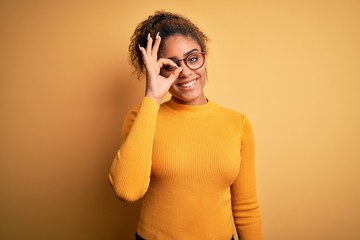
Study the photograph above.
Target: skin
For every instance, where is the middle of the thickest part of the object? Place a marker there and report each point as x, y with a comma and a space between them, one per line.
159, 81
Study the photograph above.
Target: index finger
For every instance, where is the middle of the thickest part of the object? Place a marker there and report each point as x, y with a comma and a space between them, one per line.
165, 61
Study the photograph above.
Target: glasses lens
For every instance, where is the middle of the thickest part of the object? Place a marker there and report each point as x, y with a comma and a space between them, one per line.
195, 60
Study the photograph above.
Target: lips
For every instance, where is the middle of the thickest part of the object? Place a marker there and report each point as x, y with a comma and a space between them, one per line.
187, 84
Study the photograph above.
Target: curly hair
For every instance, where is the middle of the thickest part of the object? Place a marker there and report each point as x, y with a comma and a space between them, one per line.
167, 24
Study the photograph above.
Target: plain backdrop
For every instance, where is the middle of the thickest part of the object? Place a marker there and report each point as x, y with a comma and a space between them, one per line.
293, 67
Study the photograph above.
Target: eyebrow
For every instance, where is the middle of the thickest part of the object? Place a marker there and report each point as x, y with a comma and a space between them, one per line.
186, 54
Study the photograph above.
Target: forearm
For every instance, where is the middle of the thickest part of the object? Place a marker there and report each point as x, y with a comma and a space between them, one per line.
247, 217
130, 170
245, 204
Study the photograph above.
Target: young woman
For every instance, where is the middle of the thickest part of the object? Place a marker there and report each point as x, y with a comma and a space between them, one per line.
190, 160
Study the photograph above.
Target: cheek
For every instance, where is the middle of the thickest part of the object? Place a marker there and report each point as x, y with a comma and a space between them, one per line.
202, 72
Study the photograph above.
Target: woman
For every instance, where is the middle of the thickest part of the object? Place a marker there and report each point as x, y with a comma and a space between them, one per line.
190, 160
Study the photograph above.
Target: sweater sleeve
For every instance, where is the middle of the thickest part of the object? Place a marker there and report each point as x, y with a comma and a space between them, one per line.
244, 201
130, 170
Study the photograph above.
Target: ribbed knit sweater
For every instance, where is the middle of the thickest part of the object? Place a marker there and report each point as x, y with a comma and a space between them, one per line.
194, 168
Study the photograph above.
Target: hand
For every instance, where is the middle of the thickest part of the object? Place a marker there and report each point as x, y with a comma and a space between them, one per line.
156, 85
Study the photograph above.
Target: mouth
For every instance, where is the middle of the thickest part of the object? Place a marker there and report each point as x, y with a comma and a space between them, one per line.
187, 84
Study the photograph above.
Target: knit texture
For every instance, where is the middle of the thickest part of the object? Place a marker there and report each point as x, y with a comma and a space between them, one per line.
193, 167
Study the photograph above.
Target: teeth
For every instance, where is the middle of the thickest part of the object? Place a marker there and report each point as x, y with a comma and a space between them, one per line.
189, 84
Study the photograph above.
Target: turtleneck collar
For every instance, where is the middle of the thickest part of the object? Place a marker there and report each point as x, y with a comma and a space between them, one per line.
191, 111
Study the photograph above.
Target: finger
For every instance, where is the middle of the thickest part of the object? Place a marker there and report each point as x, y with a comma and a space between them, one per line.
165, 61
144, 55
175, 75
149, 44
146, 60
155, 48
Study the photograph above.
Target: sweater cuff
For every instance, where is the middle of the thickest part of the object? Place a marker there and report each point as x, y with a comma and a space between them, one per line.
148, 106
149, 102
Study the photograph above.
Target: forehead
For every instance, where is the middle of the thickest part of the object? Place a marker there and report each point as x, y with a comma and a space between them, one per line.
177, 46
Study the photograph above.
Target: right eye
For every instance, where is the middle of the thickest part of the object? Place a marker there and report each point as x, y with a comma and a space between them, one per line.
169, 68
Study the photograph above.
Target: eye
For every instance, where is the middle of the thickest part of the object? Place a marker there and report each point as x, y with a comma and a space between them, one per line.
169, 68
192, 58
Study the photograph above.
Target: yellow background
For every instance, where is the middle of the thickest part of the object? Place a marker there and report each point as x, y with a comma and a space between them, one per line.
292, 66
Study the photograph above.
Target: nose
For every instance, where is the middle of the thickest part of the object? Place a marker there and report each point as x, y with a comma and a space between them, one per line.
186, 71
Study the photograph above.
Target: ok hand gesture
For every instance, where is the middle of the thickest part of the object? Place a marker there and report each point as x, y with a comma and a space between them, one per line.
157, 85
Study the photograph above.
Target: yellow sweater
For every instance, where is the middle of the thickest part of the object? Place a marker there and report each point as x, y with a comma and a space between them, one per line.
194, 168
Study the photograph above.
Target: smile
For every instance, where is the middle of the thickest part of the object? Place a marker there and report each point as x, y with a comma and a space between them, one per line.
188, 84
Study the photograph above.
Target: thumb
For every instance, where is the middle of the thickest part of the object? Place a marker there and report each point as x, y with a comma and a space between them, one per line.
175, 75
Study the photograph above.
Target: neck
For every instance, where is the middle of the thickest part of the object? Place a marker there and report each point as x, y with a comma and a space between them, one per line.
200, 101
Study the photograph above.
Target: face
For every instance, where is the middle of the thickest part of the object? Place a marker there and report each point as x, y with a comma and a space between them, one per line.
188, 88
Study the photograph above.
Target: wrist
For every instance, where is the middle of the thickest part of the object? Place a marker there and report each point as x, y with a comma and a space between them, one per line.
158, 100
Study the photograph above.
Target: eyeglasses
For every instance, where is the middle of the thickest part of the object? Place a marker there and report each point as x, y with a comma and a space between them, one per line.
193, 61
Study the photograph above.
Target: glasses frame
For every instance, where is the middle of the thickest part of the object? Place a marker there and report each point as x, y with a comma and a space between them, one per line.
177, 62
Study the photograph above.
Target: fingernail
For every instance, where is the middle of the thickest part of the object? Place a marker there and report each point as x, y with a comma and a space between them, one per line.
139, 47
148, 36
157, 35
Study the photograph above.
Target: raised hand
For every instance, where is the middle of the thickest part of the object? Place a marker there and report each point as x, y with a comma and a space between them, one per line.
156, 85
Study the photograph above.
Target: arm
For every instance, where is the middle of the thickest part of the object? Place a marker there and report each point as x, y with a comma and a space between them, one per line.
130, 170
244, 201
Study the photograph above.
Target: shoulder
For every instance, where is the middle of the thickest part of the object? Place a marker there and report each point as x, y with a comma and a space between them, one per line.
230, 113
239, 119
